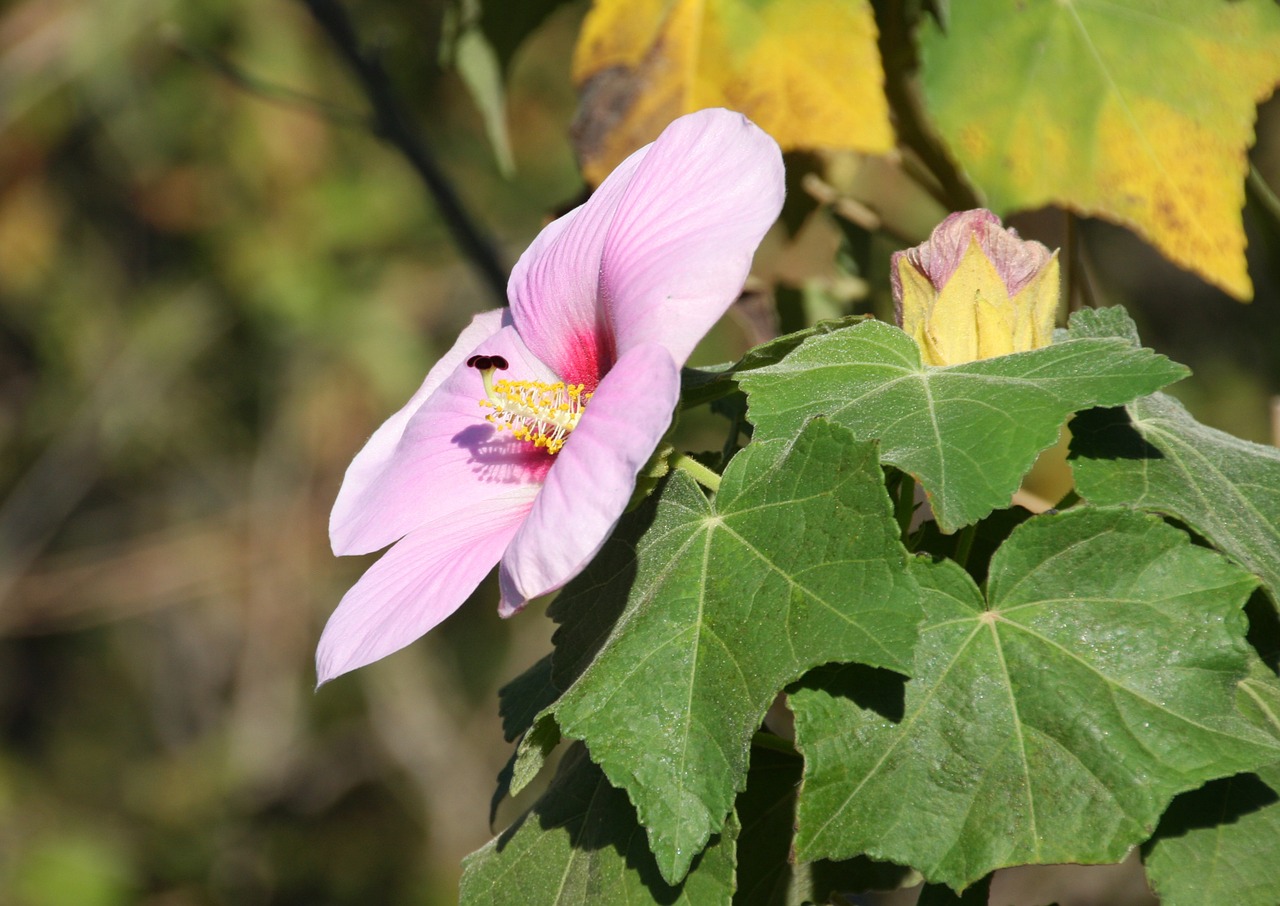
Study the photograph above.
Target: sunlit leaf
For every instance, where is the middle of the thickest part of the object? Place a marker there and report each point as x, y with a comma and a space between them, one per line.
968, 432
1153, 454
1218, 844
698, 385
1138, 111
1052, 720
796, 563
580, 844
807, 71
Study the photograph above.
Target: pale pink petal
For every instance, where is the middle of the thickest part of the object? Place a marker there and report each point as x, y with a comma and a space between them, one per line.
423, 579
553, 288
681, 242
447, 458
591, 482
377, 451
1016, 260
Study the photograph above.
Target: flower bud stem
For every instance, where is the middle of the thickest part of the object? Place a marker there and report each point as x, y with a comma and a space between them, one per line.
697, 471
964, 544
765, 740
905, 506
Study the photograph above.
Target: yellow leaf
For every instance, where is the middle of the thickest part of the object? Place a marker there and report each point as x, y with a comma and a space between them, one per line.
807, 71
1137, 111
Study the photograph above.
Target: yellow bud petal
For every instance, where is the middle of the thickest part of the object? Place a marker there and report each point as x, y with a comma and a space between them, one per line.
918, 296
995, 329
954, 324
1038, 304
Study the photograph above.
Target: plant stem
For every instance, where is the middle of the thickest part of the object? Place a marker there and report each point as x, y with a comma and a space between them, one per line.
393, 126
273, 93
905, 506
765, 740
901, 88
697, 471
964, 544
1080, 292
1263, 193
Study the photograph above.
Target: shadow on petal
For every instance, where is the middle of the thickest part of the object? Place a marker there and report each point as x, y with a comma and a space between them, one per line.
497, 458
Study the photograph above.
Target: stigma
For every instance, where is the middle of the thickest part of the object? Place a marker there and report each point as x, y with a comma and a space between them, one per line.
542, 413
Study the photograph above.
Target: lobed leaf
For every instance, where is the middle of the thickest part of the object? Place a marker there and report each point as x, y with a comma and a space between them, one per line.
1053, 720
767, 875
1219, 843
1138, 111
807, 71
796, 562
1152, 454
581, 844
968, 433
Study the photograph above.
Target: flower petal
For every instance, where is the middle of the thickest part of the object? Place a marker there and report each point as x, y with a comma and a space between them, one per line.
681, 242
376, 454
446, 458
591, 483
554, 286
419, 582
1016, 260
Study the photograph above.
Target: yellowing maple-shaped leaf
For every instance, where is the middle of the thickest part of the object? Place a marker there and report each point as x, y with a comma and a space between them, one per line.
1137, 111
807, 71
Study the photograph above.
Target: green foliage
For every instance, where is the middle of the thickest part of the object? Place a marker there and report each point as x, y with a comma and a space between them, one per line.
1154, 455
215, 281
1051, 714
968, 433
1095, 680
721, 603
480, 39
1217, 844
580, 843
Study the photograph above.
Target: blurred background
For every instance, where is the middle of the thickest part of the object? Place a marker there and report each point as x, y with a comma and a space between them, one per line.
215, 282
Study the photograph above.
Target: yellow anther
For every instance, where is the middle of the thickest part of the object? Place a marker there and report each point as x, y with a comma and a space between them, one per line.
541, 413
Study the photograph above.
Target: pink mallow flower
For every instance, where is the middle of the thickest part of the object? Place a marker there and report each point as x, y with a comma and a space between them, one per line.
523, 443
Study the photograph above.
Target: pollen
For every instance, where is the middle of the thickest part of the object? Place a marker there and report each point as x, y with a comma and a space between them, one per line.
542, 413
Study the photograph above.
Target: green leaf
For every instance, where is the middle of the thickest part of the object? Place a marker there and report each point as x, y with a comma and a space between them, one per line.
1112, 321
1052, 721
1138, 111
700, 385
580, 844
535, 747
796, 563
519, 704
1259, 700
968, 433
479, 39
1218, 844
1155, 456
767, 876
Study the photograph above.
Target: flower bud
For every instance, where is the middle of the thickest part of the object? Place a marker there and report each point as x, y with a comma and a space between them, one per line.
975, 290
